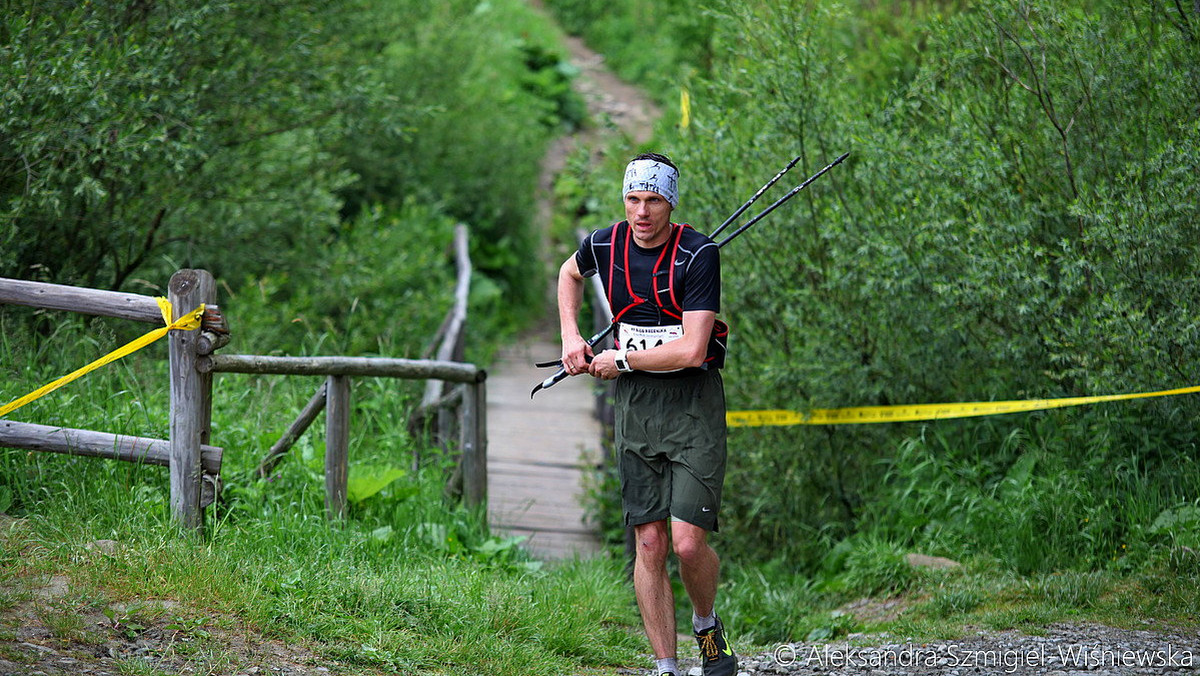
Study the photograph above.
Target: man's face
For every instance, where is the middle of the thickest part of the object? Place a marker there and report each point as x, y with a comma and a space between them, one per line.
649, 216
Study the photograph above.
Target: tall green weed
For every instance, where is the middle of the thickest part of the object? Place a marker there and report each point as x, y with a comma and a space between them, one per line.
357, 599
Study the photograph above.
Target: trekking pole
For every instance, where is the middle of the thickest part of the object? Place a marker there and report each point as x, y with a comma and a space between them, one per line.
603, 333
752, 200
792, 193
562, 371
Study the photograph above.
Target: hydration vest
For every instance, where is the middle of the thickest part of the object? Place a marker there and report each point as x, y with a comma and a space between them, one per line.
622, 298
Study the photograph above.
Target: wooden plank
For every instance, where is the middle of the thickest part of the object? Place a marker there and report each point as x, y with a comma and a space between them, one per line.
579, 532
529, 488
280, 448
75, 299
191, 399
524, 493
525, 467
414, 369
548, 457
337, 445
51, 439
535, 516
535, 452
554, 545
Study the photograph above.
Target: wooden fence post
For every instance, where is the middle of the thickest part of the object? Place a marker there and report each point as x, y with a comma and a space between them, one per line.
337, 444
191, 399
473, 441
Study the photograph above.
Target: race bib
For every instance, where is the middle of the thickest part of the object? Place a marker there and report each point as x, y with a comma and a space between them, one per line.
633, 338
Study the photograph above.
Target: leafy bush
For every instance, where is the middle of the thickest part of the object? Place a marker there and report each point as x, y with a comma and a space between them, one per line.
132, 131
390, 282
1016, 220
245, 139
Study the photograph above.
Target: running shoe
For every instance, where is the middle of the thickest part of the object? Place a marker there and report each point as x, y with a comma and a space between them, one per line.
716, 657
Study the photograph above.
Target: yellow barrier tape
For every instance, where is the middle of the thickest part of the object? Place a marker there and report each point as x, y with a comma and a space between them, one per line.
918, 412
188, 322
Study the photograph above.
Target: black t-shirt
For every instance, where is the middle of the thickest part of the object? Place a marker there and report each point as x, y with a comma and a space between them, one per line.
697, 276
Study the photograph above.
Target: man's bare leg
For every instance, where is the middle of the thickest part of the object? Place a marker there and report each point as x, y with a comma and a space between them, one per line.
699, 565
652, 585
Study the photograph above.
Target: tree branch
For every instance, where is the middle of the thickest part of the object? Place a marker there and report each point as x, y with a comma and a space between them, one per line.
122, 273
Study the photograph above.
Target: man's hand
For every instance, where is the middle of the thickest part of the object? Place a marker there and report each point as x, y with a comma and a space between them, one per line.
604, 365
575, 355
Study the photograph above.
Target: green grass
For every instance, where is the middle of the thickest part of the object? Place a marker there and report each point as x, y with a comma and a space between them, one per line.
356, 600
412, 582
409, 581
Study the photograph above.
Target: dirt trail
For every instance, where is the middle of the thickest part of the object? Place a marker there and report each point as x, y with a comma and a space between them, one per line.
617, 110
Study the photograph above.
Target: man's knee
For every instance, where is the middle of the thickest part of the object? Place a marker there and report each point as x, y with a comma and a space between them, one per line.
691, 545
652, 541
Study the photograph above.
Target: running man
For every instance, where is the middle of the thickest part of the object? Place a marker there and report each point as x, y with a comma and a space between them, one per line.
663, 283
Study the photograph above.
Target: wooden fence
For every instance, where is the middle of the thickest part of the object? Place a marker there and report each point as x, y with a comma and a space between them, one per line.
195, 465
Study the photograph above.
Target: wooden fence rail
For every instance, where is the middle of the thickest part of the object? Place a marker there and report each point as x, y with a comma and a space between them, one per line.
334, 396
384, 367
49, 438
84, 301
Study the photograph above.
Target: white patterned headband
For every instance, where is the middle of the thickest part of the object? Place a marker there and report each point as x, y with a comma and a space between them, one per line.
653, 176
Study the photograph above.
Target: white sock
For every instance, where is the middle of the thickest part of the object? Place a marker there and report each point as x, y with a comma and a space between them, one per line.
702, 623
666, 665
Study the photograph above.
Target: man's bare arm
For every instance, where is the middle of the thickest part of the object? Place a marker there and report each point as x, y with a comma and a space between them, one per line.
575, 350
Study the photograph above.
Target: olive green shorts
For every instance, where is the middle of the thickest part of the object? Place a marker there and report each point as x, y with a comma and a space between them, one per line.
670, 437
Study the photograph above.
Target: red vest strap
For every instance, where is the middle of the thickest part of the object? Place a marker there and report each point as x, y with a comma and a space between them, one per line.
676, 310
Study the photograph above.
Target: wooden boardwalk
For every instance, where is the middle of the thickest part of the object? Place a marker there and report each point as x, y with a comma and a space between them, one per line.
537, 452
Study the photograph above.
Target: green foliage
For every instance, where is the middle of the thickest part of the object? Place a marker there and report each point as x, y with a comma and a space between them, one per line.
245, 139
359, 603
383, 286
868, 565
549, 78
1016, 221
654, 44
468, 111
128, 128
950, 602
768, 604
